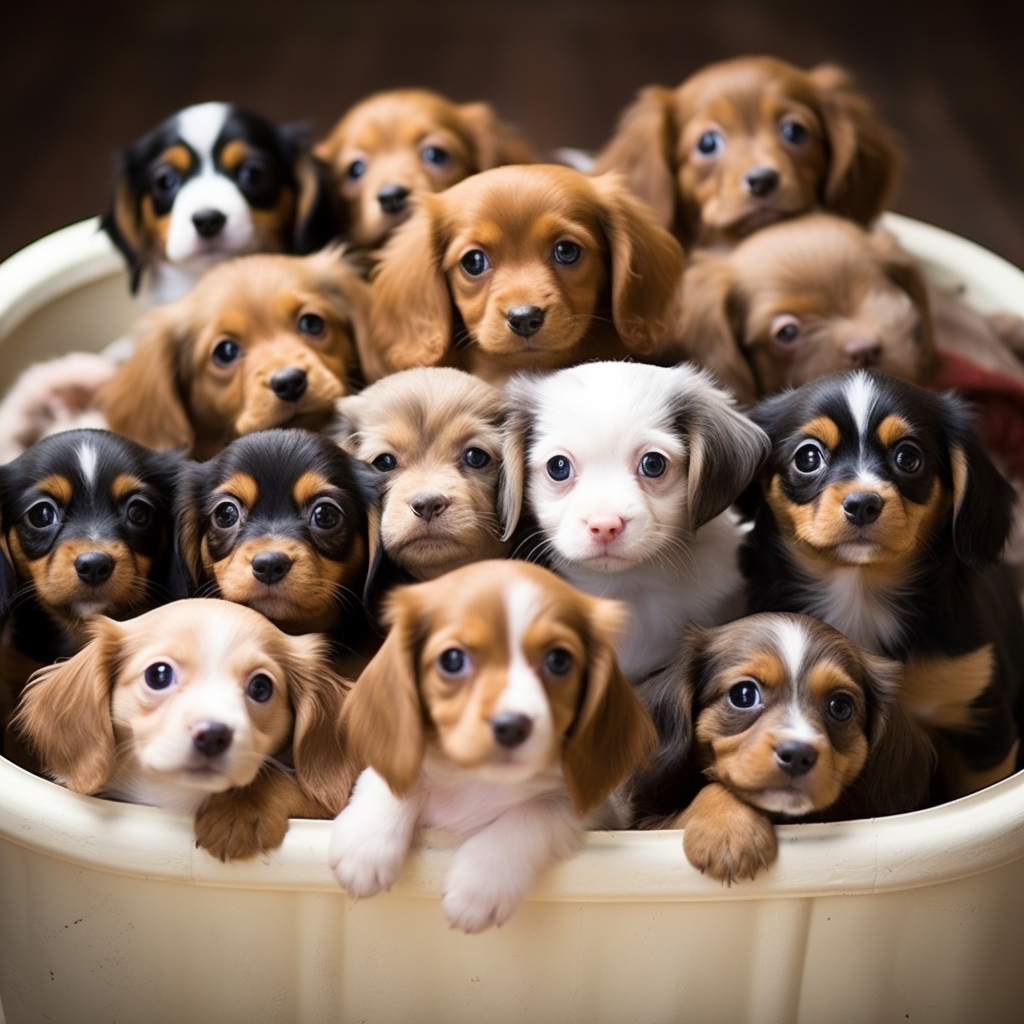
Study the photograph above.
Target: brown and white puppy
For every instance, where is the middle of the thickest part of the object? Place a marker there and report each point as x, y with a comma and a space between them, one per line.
746, 142
201, 707
496, 711
401, 142
433, 435
261, 341
520, 268
773, 718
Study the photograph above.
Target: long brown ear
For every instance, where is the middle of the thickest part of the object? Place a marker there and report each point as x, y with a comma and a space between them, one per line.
383, 713
410, 306
496, 144
642, 148
143, 399
612, 733
65, 712
646, 268
866, 161
316, 210
341, 282
123, 225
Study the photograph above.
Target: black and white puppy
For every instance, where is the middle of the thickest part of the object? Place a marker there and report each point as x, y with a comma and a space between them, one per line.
630, 470
879, 512
210, 182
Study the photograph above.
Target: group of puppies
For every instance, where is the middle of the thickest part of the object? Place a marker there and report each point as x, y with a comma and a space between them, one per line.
442, 486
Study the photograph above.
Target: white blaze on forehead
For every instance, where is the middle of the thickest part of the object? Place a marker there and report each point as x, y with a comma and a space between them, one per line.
524, 693
87, 460
792, 643
200, 125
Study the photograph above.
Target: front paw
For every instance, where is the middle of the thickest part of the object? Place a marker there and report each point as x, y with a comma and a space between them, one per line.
230, 827
726, 838
365, 861
478, 896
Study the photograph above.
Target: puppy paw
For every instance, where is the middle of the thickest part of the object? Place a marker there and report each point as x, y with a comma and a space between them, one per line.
365, 861
477, 896
231, 827
726, 838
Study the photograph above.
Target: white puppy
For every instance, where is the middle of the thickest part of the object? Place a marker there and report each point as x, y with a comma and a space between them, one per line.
629, 472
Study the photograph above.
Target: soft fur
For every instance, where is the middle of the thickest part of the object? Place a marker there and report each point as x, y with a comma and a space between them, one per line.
517, 268
771, 718
202, 707
749, 141
210, 182
630, 470
879, 512
261, 341
495, 711
396, 144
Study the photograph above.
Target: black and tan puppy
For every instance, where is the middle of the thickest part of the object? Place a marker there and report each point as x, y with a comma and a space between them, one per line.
879, 512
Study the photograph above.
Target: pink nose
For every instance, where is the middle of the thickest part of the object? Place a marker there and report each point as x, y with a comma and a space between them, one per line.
605, 528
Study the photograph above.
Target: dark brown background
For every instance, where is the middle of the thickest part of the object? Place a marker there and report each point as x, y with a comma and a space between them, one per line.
79, 80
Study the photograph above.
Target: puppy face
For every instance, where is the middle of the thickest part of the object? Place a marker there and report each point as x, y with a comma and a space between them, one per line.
395, 144
86, 519
433, 435
278, 522
262, 341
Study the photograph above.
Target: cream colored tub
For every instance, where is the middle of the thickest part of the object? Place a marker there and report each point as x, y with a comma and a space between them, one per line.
108, 913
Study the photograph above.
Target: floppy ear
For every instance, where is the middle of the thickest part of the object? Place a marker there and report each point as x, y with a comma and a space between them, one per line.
192, 486
612, 733
642, 149
144, 398
410, 306
316, 212
8, 577
65, 711
383, 712
340, 282
646, 269
123, 224
515, 433
865, 161
495, 143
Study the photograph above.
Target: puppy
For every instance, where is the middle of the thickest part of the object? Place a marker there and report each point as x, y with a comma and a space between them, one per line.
749, 141
279, 521
200, 707
630, 470
771, 718
519, 268
261, 341
879, 512
210, 182
495, 710
395, 144
434, 437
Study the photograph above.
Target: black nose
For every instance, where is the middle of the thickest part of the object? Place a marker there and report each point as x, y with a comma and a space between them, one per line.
863, 509
94, 567
510, 729
289, 384
393, 198
761, 181
271, 566
428, 506
525, 320
209, 223
211, 738
795, 758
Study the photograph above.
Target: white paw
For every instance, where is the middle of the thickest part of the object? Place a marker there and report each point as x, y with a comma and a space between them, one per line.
365, 861
475, 897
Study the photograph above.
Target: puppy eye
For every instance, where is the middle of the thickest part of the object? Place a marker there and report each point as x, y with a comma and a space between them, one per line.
165, 180
475, 262
254, 176
356, 170
385, 462
226, 515
139, 512
710, 142
453, 662
475, 458
785, 329
226, 351
260, 688
809, 458
567, 252
558, 662
745, 695
841, 707
325, 515
907, 458
42, 515
434, 155
653, 465
793, 132
559, 468
159, 676
312, 324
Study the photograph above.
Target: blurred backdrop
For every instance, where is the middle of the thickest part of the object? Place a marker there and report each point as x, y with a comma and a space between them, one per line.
80, 80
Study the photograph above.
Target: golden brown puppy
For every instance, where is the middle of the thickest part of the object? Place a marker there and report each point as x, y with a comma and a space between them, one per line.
434, 436
395, 144
745, 142
261, 341
203, 707
520, 268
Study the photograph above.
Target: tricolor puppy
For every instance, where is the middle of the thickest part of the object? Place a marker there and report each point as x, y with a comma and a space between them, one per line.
774, 718
261, 341
200, 707
630, 472
211, 182
746, 142
879, 513
395, 144
495, 710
